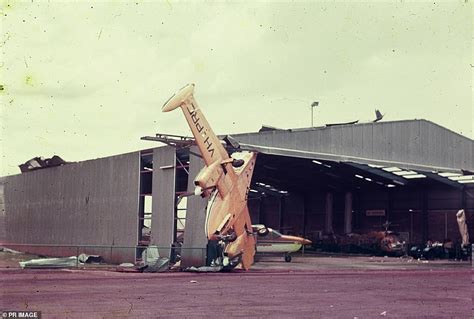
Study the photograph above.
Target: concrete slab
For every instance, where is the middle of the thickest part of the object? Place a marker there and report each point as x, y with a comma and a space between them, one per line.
308, 287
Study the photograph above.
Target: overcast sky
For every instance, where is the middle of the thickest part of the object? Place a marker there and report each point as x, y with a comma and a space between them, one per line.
87, 80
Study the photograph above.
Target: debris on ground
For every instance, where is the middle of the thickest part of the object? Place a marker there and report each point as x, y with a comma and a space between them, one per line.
50, 263
90, 259
62, 262
150, 255
127, 267
203, 269
10, 251
160, 265
150, 262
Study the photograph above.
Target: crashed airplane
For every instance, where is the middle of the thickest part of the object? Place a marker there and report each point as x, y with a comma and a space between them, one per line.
225, 182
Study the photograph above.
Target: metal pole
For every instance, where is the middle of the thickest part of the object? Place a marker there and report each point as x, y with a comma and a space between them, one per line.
315, 103
77, 256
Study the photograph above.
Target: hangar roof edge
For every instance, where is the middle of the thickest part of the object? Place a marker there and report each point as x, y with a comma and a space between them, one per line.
337, 126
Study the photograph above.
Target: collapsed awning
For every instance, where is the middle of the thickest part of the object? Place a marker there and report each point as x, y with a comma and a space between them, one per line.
385, 173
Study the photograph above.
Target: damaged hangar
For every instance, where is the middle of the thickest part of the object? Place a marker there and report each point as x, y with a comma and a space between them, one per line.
336, 179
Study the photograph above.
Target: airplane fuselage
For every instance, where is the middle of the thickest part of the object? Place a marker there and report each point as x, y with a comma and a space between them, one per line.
278, 247
274, 242
224, 180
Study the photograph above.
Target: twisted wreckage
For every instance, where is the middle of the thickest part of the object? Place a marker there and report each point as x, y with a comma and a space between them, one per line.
225, 181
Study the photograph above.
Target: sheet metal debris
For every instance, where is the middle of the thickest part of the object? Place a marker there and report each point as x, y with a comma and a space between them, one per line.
89, 259
127, 267
160, 265
64, 262
10, 251
150, 255
41, 162
50, 263
203, 269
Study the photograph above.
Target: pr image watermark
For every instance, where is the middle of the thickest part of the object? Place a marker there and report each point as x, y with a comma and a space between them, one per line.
20, 314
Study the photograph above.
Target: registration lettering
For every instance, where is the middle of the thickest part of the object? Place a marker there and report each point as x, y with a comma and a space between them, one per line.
200, 128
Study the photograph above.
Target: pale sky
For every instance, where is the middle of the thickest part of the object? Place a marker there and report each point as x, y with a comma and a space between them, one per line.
87, 80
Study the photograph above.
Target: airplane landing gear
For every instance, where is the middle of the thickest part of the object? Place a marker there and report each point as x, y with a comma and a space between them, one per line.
288, 258
231, 263
217, 255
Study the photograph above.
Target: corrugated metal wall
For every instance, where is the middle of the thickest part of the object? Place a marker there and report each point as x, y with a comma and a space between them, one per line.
195, 240
417, 142
164, 174
87, 203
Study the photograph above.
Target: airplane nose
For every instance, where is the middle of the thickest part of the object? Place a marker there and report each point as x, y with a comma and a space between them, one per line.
307, 242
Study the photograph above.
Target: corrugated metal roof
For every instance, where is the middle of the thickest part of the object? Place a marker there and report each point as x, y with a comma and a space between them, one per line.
418, 144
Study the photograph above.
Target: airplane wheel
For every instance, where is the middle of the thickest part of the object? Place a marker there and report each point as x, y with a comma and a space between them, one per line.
287, 258
263, 232
232, 263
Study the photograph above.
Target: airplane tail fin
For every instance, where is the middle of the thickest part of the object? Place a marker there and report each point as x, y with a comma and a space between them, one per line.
209, 145
177, 99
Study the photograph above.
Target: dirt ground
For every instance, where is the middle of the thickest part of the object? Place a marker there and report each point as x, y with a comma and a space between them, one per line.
308, 287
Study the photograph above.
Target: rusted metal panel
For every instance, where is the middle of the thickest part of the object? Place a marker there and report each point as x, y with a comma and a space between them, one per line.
93, 202
195, 240
163, 204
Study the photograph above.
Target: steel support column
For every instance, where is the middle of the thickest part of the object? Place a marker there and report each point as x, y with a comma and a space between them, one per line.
348, 213
329, 211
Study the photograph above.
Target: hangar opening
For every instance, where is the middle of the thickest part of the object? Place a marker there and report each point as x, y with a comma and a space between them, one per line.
311, 197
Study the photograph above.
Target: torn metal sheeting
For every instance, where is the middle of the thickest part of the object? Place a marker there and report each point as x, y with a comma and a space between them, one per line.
63, 262
203, 269
160, 265
270, 150
41, 162
150, 255
50, 263
10, 251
